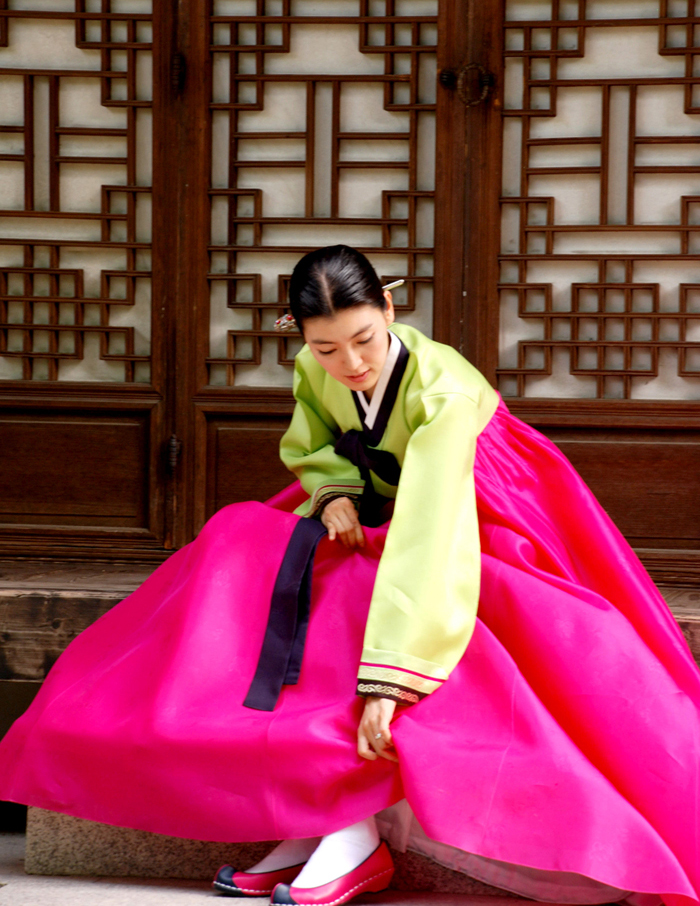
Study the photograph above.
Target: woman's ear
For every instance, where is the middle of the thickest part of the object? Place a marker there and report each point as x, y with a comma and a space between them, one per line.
389, 311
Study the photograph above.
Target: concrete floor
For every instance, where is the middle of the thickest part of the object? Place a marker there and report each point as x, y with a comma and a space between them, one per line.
19, 889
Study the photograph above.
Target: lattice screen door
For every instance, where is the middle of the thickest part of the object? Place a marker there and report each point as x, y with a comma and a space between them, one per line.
82, 356
321, 129
599, 285
163, 165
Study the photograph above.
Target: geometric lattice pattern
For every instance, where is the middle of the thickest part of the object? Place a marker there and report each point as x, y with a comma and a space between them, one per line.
600, 279
321, 122
75, 267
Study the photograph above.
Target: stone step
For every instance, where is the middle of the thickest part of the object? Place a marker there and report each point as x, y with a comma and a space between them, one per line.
20, 889
62, 845
45, 604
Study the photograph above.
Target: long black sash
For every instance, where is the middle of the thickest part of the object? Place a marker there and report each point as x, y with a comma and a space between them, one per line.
285, 635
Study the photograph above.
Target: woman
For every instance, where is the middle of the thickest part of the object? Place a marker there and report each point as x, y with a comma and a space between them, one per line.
551, 745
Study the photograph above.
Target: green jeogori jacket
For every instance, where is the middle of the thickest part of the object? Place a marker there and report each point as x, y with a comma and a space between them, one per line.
426, 592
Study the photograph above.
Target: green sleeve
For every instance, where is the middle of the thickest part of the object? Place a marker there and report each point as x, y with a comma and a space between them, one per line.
308, 450
426, 593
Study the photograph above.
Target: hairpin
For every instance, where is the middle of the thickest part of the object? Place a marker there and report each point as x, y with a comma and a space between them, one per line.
287, 322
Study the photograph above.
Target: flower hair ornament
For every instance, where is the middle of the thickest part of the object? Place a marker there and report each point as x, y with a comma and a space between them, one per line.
287, 322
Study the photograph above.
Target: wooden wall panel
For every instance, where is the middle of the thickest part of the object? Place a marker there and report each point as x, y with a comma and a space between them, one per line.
38, 627
599, 281
243, 459
72, 468
648, 481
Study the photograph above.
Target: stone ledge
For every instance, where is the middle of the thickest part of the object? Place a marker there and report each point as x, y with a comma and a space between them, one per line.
45, 604
61, 845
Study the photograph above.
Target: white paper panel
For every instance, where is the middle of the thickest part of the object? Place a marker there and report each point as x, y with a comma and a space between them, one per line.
325, 80
599, 238
88, 189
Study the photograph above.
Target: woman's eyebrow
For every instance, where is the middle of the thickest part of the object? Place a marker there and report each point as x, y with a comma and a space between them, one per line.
326, 342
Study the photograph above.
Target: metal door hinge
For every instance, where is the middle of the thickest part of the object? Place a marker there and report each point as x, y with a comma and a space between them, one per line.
174, 448
178, 71
471, 91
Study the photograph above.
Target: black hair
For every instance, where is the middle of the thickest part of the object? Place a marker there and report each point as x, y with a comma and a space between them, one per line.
331, 279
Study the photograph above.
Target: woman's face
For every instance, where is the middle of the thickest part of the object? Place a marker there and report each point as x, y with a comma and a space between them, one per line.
352, 345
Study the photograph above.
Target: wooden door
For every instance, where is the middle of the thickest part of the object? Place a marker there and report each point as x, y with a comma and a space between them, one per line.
168, 164
85, 278
324, 124
162, 167
585, 302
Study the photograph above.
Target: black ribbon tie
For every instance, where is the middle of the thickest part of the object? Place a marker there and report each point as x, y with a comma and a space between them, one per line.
285, 635
353, 446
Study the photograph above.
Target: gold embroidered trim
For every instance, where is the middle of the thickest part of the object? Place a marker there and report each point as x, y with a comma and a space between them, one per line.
396, 675
384, 691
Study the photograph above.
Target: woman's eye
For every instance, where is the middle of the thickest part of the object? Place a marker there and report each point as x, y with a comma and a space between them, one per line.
362, 342
326, 352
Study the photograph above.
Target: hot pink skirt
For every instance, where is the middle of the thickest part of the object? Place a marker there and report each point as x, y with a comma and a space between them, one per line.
566, 740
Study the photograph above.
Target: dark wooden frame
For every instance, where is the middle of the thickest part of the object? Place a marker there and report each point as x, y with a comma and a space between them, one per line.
469, 186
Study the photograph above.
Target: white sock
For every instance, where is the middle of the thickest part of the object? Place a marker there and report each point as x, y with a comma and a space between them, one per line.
285, 854
339, 853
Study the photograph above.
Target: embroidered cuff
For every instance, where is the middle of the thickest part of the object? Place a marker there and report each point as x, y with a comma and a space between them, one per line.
395, 693
395, 683
323, 496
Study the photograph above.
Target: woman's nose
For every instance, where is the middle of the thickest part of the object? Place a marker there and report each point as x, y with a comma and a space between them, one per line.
353, 360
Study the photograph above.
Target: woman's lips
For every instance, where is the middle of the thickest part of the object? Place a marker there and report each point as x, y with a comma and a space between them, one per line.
359, 378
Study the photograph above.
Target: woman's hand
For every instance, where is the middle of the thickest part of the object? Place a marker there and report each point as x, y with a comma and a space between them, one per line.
340, 518
373, 735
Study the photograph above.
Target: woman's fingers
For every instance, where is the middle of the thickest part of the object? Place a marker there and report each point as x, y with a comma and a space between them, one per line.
386, 743
383, 743
374, 735
364, 750
386, 735
340, 518
349, 527
345, 528
385, 750
359, 535
353, 535
371, 748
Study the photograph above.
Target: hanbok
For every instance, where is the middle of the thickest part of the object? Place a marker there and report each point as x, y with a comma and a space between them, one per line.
548, 741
